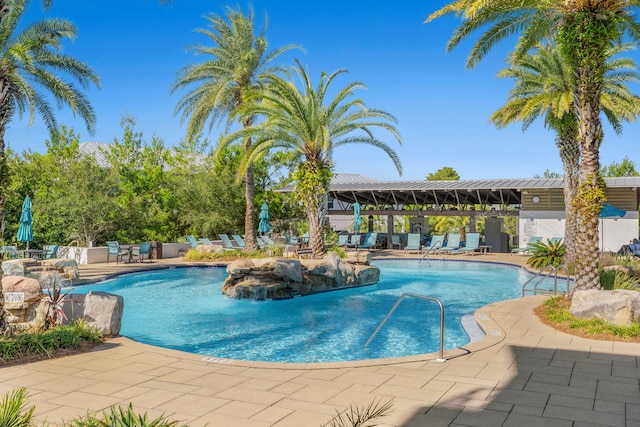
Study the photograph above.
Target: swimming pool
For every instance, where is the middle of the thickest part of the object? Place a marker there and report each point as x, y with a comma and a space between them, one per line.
183, 309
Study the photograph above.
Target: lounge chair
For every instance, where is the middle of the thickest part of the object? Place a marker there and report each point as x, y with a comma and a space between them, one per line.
413, 243
395, 241
343, 239
238, 240
10, 252
270, 243
354, 241
437, 242
192, 241
471, 244
205, 241
50, 251
453, 243
115, 251
370, 241
144, 249
227, 244
528, 248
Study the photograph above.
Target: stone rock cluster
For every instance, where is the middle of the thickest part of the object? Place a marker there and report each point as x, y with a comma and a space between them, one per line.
279, 278
33, 280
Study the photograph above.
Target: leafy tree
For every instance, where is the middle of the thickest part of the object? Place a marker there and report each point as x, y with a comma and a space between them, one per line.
445, 173
219, 86
584, 30
544, 86
31, 62
548, 174
626, 167
303, 120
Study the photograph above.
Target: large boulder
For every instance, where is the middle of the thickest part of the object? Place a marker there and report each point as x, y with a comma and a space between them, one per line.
240, 267
288, 269
104, 311
366, 274
359, 257
30, 287
620, 307
14, 267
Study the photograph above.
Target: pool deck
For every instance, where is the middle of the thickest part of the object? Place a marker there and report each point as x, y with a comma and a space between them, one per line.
523, 373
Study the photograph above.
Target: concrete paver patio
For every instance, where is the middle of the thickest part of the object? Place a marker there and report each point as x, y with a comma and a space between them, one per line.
523, 373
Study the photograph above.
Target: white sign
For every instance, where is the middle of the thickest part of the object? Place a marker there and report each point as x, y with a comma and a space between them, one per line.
14, 297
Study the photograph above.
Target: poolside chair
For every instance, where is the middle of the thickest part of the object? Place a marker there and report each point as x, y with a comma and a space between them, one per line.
10, 252
413, 243
354, 241
528, 248
226, 243
453, 243
471, 244
144, 249
50, 251
370, 241
113, 250
267, 240
437, 242
192, 241
238, 240
395, 241
343, 239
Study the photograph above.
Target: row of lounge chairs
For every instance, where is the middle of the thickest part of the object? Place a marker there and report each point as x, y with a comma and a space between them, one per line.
233, 243
437, 245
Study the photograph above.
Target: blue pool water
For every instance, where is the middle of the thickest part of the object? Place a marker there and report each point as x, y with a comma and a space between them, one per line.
183, 309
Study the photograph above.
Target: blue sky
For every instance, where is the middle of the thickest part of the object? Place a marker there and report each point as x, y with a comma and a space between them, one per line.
137, 46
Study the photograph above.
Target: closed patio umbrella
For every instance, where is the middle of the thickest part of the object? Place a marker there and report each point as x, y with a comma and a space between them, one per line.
263, 225
357, 218
25, 231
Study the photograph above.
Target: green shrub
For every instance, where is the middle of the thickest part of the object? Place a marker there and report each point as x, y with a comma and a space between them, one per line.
544, 254
13, 409
120, 417
61, 337
617, 279
195, 255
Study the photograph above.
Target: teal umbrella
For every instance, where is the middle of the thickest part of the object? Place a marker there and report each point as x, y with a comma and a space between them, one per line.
263, 225
25, 231
357, 219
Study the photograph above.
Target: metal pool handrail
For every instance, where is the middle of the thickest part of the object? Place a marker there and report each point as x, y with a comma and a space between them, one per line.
436, 245
541, 276
397, 303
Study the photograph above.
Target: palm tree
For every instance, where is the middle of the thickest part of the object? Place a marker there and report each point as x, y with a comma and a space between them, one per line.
544, 88
303, 120
30, 64
584, 31
217, 88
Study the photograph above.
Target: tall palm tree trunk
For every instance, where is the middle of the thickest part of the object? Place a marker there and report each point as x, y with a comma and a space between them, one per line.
591, 192
250, 242
315, 217
570, 155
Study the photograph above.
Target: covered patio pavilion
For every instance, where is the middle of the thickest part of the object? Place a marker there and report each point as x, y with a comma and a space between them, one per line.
537, 202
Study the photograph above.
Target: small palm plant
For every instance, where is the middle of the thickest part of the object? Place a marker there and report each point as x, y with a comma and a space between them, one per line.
360, 416
14, 411
544, 254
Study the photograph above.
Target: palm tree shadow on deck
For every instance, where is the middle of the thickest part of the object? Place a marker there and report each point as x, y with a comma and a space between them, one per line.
541, 387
